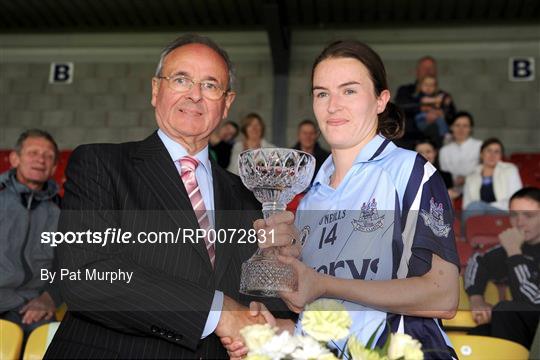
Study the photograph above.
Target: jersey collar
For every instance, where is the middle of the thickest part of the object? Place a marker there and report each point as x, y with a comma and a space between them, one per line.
376, 149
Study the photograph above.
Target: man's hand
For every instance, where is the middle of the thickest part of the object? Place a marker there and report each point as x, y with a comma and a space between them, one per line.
237, 349
511, 240
480, 310
285, 236
39, 308
234, 317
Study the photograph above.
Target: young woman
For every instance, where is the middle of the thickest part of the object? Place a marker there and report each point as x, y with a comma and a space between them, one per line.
376, 226
252, 129
491, 184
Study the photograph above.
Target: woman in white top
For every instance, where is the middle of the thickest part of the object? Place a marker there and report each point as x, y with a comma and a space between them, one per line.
488, 189
252, 129
461, 156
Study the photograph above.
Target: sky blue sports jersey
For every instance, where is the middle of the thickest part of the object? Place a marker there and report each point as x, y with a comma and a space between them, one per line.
388, 216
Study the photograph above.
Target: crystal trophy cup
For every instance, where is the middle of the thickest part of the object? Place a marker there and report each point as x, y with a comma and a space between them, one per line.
275, 176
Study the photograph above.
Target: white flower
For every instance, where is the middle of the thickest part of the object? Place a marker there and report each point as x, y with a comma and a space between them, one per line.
279, 346
309, 349
255, 336
404, 346
326, 320
359, 352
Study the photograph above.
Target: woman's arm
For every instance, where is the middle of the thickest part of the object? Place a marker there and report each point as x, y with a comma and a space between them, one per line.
434, 294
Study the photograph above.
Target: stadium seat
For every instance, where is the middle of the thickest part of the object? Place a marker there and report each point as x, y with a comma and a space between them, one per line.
483, 231
295, 202
463, 318
39, 340
4, 160
465, 252
489, 348
11, 338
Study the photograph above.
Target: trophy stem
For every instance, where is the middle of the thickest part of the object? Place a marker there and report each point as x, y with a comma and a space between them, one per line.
272, 207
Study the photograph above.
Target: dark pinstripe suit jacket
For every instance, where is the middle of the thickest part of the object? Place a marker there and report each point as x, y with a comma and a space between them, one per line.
161, 313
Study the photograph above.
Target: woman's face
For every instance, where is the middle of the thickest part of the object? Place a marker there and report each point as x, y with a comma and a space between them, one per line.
254, 129
344, 102
491, 155
427, 151
461, 128
525, 216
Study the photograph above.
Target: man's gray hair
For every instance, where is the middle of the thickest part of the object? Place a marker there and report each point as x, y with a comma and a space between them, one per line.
36, 133
198, 39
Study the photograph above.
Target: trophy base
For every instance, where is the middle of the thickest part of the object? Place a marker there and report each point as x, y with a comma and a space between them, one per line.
266, 277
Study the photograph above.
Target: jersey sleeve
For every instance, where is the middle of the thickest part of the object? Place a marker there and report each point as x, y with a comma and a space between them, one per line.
433, 233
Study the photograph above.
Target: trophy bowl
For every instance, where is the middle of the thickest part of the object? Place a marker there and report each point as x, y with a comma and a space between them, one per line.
275, 176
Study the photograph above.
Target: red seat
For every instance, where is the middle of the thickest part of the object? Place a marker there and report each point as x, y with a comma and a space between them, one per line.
295, 202
4, 160
59, 175
465, 251
484, 230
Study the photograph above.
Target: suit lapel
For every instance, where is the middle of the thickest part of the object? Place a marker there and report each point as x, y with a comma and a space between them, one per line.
223, 196
155, 166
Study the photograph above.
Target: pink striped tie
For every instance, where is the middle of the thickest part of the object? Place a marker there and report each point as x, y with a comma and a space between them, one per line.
188, 166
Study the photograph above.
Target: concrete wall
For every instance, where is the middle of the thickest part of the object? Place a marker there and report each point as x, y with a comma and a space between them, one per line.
109, 99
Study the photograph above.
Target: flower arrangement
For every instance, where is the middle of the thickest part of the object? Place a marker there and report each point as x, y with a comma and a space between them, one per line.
323, 321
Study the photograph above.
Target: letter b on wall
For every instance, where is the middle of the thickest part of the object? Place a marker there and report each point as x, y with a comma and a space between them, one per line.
521, 69
61, 73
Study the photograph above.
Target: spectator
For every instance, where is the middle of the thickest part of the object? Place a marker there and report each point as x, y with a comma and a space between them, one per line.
489, 187
308, 133
436, 110
461, 156
514, 262
222, 141
427, 149
29, 203
252, 129
407, 101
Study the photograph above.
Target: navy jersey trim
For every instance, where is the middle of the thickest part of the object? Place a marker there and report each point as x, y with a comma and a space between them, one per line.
380, 149
412, 188
397, 240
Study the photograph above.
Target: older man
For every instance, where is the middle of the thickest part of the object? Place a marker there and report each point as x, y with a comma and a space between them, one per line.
29, 206
181, 296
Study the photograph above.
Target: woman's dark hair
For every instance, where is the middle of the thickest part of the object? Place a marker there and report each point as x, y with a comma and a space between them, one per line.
492, 141
463, 114
248, 119
391, 122
530, 192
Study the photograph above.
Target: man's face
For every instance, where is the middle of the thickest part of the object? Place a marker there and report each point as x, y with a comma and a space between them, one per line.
426, 67
307, 136
525, 216
35, 163
189, 117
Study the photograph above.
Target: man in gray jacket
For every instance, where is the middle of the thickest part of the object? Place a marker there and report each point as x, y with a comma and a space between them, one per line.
28, 206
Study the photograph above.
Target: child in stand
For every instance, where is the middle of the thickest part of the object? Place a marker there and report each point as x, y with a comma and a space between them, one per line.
435, 107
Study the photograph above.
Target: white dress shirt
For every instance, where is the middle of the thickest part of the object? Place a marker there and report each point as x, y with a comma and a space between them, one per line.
460, 159
203, 174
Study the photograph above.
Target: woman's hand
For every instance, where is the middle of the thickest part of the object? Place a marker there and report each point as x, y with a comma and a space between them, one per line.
279, 232
311, 285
